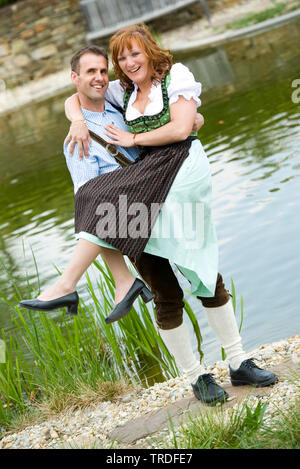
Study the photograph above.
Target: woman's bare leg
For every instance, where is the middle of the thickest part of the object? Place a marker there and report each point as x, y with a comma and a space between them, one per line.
120, 272
84, 254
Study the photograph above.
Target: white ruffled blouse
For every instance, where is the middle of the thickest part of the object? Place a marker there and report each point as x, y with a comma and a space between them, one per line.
182, 83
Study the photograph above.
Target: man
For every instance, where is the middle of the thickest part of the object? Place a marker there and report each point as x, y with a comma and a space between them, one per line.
90, 76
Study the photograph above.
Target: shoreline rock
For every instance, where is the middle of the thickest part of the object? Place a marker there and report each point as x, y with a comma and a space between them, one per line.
96, 425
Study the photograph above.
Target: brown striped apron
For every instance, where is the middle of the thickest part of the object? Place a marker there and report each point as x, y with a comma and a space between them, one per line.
147, 181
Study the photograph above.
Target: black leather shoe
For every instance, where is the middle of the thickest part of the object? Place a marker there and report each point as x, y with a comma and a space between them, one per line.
71, 301
208, 391
249, 373
123, 308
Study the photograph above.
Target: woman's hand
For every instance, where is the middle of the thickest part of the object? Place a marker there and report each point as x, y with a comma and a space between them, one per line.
199, 121
79, 134
119, 137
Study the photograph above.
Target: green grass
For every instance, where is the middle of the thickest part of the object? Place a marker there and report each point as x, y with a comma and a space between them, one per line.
254, 18
243, 427
3, 3
55, 362
216, 430
294, 7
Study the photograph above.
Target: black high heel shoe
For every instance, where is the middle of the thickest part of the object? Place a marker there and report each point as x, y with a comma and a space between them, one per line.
71, 301
123, 308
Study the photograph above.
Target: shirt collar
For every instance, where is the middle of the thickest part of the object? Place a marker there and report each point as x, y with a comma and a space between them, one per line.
89, 114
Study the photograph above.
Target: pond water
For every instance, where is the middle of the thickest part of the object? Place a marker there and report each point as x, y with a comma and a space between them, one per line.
252, 138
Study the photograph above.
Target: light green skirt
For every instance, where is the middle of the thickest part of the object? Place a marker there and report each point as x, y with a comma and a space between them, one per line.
184, 231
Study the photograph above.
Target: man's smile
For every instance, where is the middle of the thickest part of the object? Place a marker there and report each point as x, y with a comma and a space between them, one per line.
98, 87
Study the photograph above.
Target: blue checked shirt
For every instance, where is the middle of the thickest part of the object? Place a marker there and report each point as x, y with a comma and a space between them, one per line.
99, 160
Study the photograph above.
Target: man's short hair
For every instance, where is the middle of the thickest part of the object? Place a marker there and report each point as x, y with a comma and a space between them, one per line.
85, 50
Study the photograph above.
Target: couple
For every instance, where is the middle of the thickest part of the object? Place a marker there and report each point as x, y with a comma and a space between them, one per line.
159, 102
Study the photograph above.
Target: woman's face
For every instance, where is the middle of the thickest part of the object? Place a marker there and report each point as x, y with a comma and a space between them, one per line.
134, 63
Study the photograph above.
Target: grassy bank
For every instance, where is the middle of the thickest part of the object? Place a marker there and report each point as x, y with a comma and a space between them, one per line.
244, 427
58, 362
250, 19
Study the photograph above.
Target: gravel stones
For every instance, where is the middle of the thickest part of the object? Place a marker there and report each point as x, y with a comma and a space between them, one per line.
92, 426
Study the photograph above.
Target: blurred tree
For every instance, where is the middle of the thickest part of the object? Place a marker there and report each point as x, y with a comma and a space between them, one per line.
3, 3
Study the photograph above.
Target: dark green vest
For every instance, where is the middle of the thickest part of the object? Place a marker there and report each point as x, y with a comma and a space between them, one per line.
146, 123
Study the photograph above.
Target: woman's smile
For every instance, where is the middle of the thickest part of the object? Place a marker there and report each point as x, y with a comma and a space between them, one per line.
136, 69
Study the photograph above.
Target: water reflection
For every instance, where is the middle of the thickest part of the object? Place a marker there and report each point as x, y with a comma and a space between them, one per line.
213, 66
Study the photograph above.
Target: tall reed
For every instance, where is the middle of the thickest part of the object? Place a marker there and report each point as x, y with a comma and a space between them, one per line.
53, 356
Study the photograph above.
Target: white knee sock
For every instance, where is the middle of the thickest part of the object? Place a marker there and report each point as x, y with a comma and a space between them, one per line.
223, 322
179, 345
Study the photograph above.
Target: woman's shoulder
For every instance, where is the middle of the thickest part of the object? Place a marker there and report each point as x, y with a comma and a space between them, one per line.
115, 93
180, 71
182, 82
178, 66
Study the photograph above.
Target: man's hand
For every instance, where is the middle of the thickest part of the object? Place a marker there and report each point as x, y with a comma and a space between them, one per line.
199, 121
79, 134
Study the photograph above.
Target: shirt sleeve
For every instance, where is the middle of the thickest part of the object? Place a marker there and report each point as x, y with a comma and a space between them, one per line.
81, 170
115, 93
183, 83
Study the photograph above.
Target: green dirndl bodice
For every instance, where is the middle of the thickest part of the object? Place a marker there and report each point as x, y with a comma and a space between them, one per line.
146, 123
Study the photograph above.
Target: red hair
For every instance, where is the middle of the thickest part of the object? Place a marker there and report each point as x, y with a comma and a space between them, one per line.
160, 60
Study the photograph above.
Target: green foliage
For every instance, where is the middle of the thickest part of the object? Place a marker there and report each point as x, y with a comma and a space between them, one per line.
3, 3
284, 433
252, 419
57, 361
64, 355
156, 35
196, 327
254, 18
54, 360
215, 429
134, 340
240, 428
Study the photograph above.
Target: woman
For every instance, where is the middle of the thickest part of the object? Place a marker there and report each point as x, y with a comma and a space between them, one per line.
169, 110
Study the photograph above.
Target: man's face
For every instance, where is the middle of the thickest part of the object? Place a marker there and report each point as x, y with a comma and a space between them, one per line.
92, 79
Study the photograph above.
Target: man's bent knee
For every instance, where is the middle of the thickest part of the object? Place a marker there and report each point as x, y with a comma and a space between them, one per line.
168, 295
168, 319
